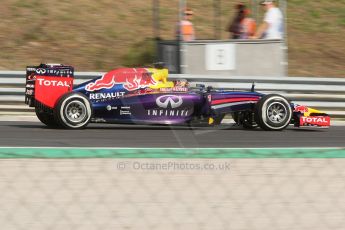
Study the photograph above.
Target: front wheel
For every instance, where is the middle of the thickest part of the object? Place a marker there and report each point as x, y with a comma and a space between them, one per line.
73, 111
273, 112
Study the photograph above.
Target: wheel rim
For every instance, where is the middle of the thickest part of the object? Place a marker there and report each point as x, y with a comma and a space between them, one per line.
75, 111
277, 112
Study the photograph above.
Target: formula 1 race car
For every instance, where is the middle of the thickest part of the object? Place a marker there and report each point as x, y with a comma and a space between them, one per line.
145, 96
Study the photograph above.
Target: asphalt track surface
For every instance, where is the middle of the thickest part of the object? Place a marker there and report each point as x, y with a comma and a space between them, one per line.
35, 134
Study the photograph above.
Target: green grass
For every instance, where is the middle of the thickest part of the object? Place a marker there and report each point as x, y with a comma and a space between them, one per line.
102, 35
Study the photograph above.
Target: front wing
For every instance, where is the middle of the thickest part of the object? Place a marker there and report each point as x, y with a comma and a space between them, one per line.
308, 117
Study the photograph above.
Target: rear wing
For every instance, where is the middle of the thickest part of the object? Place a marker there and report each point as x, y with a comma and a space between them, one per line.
46, 83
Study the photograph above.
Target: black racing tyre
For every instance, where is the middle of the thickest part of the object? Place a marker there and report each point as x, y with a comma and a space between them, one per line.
273, 112
73, 111
46, 118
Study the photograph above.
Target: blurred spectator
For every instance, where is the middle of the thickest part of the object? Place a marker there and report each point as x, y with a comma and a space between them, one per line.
248, 25
186, 28
242, 27
272, 26
235, 26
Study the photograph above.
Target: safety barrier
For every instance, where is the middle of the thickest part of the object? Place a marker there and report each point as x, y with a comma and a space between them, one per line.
326, 94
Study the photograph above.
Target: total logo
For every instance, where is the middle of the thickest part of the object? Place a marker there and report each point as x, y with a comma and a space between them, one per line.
46, 82
317, 120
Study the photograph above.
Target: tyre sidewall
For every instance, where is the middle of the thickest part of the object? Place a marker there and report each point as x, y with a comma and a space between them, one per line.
59, 111
262, 116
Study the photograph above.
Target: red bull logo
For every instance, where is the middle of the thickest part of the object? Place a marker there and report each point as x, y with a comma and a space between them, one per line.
132, 79
302, 109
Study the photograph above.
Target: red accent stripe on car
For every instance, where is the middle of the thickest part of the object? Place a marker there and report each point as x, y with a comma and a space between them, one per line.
221, 101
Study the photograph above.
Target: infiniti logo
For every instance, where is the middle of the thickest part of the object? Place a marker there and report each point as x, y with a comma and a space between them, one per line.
41, 71
172, 100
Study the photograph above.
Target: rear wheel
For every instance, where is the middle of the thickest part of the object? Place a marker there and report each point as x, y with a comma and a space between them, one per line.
273, 112
46, 117
73, 111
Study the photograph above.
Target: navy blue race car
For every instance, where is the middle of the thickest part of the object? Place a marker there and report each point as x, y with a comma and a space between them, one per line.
146, 96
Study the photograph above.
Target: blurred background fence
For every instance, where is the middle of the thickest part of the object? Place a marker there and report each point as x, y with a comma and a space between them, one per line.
327, 94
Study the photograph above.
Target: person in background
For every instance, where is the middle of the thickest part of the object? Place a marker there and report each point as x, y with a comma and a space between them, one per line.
272, 26
242, 27
186, 28
235, 26
248, 25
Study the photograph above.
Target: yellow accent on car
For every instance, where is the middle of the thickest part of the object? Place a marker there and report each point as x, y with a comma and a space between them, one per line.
311, 110
210, 121
161, 77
